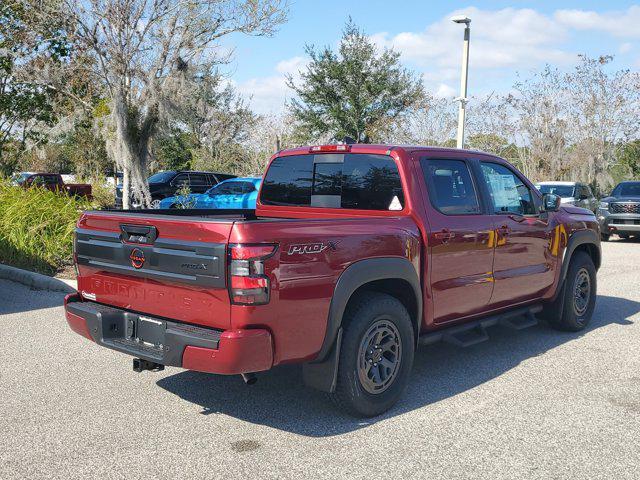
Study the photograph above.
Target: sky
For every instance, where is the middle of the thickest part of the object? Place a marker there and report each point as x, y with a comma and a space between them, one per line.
509, 40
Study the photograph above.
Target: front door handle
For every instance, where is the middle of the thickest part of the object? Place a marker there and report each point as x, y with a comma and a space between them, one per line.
445, 235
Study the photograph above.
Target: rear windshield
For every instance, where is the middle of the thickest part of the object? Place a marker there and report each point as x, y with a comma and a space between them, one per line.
564, 191
353, 181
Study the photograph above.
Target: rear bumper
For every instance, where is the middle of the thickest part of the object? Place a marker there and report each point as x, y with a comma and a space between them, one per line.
195, 348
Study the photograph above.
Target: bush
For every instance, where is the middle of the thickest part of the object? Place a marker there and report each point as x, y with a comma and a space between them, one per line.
103, 193
36, 228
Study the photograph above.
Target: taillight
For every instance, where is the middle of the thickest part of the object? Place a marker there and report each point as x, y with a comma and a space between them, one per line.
248, 284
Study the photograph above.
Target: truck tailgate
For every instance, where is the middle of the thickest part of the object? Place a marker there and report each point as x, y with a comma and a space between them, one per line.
160, 265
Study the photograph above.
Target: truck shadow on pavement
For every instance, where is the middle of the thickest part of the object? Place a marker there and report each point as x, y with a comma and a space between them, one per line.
18, 298
280, 400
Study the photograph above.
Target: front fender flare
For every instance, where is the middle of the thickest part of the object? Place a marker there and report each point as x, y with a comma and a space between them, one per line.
576, 239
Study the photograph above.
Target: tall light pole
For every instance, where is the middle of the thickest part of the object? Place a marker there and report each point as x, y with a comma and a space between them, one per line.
463, 78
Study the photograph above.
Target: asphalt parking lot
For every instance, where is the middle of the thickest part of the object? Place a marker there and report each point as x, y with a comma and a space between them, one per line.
528, 404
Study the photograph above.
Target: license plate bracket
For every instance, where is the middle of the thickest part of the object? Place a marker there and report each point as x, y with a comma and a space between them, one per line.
150, 331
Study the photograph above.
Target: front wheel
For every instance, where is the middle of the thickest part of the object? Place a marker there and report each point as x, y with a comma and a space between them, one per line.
155, 203
604, 237
376, 355
579, 295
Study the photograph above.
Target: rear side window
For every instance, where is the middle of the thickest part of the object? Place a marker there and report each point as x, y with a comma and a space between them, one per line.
451, 189
198, 179
288, 181
350, 181
219, 177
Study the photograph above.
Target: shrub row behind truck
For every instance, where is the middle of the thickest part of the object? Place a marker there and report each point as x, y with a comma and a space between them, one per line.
354, 256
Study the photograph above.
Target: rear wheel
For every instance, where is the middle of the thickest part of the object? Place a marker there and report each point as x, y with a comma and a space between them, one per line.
376, 355
579, 295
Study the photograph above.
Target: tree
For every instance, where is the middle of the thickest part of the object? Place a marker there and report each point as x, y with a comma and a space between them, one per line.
433, 122
143, 52
627, 165
217, 120
173, 150
270, 134
23, 105
603, 115
357, 92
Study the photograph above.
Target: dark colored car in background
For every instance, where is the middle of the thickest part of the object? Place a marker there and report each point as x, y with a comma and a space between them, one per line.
167, 183
619, 213
53, 182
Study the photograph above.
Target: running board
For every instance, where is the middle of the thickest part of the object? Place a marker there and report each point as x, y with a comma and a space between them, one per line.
475, 332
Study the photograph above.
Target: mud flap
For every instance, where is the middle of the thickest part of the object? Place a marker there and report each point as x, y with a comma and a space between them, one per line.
323, 375
553, 311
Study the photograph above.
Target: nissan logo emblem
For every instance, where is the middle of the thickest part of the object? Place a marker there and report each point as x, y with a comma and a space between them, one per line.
137, 258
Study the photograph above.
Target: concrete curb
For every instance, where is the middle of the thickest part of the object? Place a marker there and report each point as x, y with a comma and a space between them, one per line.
37, 281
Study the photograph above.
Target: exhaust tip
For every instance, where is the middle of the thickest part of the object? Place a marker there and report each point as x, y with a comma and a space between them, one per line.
249, 378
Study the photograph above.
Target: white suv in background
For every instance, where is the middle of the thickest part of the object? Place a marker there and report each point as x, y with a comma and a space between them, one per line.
572, 193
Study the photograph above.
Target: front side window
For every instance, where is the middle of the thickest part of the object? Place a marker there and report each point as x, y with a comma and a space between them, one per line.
508, 193
451, 189
350, 181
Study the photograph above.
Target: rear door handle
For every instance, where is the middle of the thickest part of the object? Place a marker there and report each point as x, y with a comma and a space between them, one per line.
445, 235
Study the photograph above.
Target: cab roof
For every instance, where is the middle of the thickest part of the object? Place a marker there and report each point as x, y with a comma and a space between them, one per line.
379, 148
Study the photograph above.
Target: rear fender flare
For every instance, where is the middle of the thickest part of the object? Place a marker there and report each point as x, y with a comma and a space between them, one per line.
321, 373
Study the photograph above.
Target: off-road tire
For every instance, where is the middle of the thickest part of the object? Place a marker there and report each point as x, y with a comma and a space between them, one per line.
373, 311
575, 314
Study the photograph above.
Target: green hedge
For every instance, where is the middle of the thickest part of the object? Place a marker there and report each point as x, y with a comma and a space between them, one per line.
36, 228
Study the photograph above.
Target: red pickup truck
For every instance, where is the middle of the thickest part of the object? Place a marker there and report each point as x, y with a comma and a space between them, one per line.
53, 182
354, 256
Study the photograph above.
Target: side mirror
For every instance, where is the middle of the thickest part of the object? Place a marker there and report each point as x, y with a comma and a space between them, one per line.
550, 202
